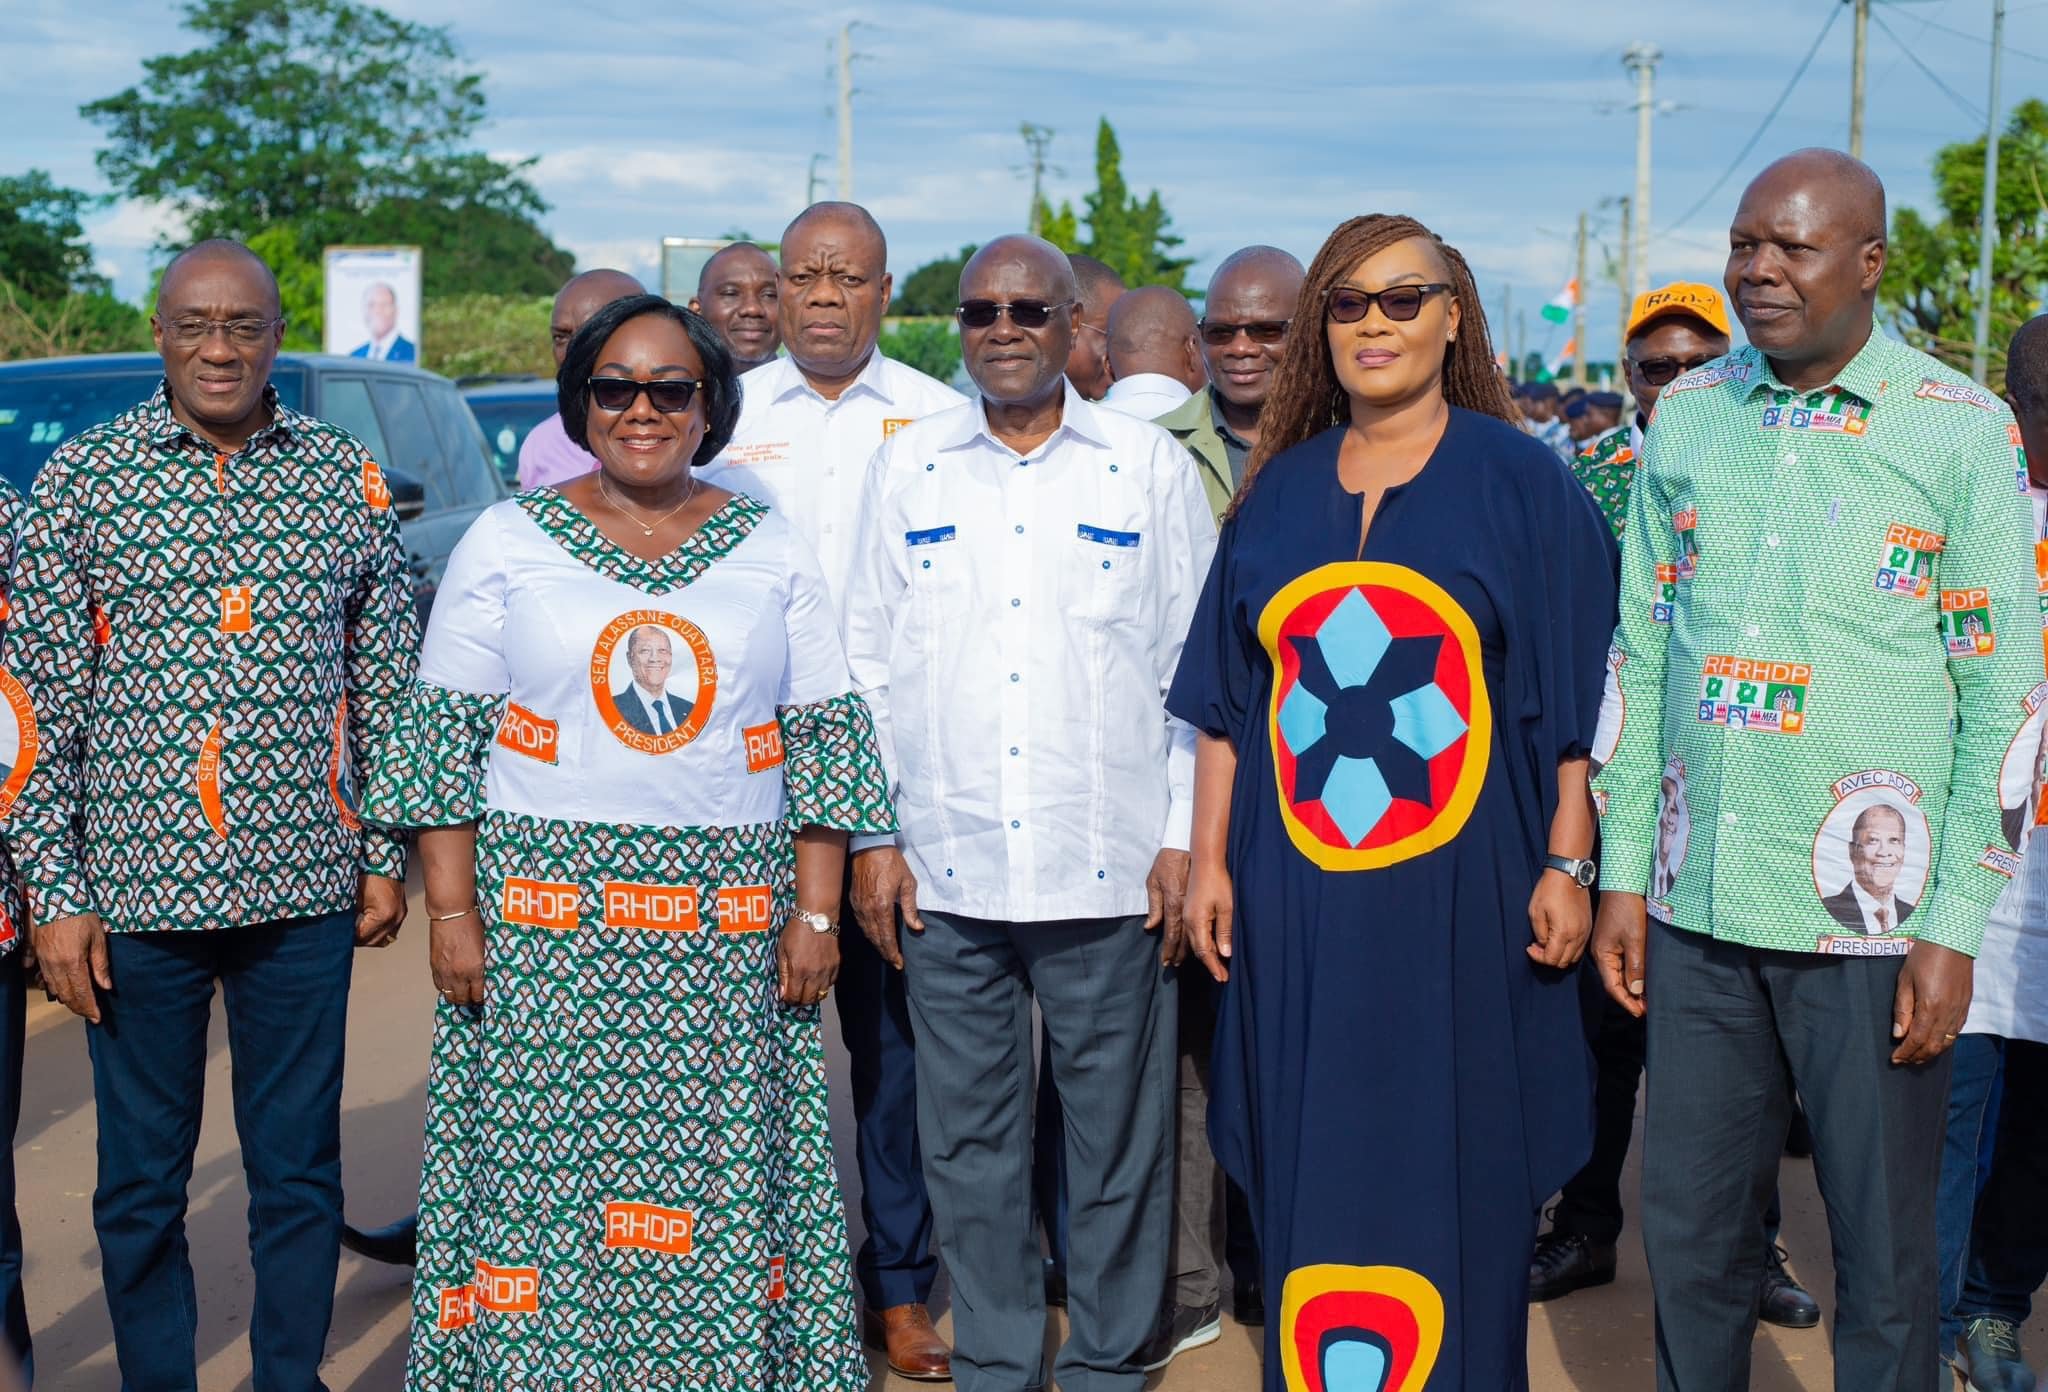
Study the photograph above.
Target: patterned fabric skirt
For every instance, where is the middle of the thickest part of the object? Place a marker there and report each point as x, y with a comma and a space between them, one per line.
628, 1182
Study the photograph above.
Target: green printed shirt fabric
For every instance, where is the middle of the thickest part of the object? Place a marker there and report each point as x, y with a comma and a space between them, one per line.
1829, 633
1606, 469
210, 645
13, 908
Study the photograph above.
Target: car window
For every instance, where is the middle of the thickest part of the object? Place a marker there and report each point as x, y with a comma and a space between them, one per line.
506, 422
411, 448
468, 476
345, 401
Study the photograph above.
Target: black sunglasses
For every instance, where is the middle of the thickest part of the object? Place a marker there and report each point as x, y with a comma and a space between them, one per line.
1216, 333
671, 396
1399, 303
1658, 371
1025, 314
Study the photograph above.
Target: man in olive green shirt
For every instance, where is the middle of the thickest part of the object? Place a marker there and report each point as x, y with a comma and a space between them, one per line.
1827, 606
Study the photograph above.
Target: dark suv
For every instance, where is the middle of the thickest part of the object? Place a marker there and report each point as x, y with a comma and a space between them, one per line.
433, 455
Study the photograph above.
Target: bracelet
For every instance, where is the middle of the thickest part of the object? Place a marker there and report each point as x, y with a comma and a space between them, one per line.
459, 913
816, 922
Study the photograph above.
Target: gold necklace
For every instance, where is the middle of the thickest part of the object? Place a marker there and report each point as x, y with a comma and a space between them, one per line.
631, 515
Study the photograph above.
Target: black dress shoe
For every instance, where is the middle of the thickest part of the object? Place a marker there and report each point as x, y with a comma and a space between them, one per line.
397, 1245
1564, 1262
1055, 1285
1785, 1302
1248, 1304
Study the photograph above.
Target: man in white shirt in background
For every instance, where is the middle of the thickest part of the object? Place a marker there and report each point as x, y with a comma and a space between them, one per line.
1027, 570
809, 421
1155, 358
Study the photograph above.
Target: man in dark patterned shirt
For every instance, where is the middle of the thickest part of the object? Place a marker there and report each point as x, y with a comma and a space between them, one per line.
212, 625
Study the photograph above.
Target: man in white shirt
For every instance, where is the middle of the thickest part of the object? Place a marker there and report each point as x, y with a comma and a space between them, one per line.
1155, 357
808, 424
1027, 569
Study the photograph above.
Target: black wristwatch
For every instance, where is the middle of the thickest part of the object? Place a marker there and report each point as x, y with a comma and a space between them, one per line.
1583, 872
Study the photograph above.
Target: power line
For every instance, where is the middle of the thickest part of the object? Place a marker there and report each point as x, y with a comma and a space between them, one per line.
1963, 102
1834, 12
1980, 39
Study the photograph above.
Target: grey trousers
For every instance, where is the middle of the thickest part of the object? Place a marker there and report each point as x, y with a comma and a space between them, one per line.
1198, 1214
1108, 1010
1733, 1031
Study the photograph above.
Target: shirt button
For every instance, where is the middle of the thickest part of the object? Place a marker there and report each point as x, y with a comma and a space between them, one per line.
1730, 818
1020, 529
926, 564
1753, 631
1105, 565
1015, 677
1013, 751
1015, 602
1771, 540
1791, 458
1015, 824
1101, 874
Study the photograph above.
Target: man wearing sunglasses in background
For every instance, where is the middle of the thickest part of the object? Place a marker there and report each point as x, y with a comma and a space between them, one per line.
1027, 570
808, 424
1671, 331
1088, 360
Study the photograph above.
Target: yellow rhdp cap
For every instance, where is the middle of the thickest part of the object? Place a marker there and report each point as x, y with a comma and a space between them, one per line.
1679, 297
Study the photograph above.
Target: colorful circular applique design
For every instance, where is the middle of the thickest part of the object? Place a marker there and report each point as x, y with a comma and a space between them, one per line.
1380, 722
653, 677
1359, 1329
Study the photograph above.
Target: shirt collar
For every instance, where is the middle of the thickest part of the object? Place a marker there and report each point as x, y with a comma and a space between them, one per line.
165, 429
1223, 429
1079, 417
795, 384
1864, 376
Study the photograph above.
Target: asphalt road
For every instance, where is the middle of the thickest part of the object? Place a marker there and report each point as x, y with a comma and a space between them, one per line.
1595, 1341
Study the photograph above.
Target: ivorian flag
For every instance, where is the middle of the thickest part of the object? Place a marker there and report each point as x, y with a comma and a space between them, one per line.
1563, 355
1562, 303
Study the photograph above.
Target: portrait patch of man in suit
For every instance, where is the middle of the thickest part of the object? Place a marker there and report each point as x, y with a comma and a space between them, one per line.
645, 702
1869, 903
380, 317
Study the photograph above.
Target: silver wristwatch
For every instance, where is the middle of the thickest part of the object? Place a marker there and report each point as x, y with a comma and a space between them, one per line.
1583, 872
817, 922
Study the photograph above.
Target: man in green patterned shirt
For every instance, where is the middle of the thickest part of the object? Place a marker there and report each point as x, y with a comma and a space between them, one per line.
213, 625
1827, 607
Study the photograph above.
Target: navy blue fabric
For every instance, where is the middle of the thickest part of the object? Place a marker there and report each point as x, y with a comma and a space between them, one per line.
13, 1032
286, 995
1395, 1082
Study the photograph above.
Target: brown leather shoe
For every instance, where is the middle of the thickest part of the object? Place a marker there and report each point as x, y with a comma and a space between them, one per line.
915, 1350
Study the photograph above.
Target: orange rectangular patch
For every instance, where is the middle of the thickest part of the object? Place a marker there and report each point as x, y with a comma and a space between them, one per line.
375, 490
1957, 601
659, 908
102, 626
777, 1287
507, 1290
764, 746
535, 736
237, 607
893, 424
540, 904
649, 1228
458, 1307
745, 909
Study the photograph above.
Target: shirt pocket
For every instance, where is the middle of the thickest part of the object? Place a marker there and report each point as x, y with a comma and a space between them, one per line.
1098, 576
941, 584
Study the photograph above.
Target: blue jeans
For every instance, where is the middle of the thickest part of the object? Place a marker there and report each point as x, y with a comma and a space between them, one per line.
1973, 1095
285, 986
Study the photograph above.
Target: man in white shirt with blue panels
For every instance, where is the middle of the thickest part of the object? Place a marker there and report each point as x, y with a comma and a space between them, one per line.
1027, 569
809, 422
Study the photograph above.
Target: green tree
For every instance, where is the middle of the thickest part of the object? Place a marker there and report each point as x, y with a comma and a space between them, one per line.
335, 119
1929, 293
43, 251
1132, 236
466, 334
1062, 228
932, 346
933, 288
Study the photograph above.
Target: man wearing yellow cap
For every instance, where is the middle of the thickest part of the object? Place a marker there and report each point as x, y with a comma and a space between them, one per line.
1671, 330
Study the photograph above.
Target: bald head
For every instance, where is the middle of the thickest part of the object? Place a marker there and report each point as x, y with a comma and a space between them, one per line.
1806, 251
1041, 265
1098, 287
210, 260
741, 258
583, 296
841, 219
1152, 329
737, 293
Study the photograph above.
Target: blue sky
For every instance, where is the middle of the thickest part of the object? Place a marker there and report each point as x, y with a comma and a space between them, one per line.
1495, 122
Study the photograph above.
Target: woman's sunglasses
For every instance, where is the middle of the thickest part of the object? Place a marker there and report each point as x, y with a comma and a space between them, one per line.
671, 395
1025, 314
1399, 303
1658, 371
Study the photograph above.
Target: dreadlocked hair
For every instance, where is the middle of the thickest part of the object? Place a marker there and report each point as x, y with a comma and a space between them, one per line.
1306, 398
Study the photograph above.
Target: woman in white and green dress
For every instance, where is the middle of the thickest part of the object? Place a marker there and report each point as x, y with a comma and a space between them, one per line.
634, 756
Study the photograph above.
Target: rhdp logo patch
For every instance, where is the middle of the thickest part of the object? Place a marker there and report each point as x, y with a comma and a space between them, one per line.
1966, 623
1751, 694
1685, 525
1666, 602
1907, 565
1359, 1329
1379, 721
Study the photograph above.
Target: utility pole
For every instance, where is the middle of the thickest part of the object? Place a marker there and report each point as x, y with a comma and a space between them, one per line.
1037, 139
811, 182
1642, 59
1579, 312
846, 113
1987, 220
1521, 340
1856, 70
1507, 317
1624, 282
